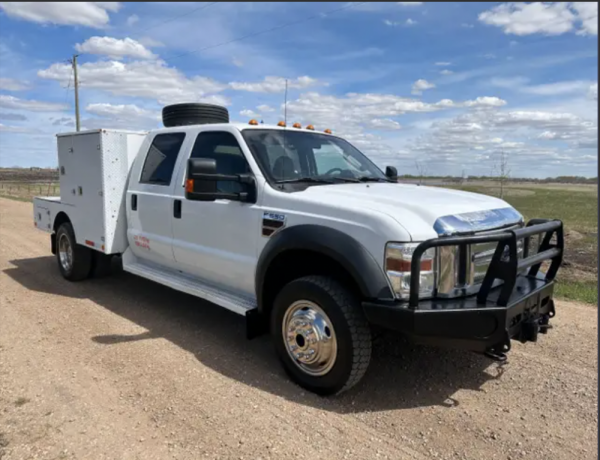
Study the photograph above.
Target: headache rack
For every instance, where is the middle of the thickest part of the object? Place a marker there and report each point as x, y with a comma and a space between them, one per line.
505, 265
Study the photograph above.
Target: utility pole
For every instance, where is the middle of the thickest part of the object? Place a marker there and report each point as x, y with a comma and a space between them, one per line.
76, 83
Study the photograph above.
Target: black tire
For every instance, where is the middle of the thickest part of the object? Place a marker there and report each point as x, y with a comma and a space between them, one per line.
194, 114
351, 331
101, 265
81, 258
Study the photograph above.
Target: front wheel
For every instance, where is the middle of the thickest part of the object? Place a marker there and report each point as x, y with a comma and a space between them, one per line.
321, 335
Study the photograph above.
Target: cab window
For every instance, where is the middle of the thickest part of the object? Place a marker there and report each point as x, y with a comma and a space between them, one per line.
225, 149
161, 158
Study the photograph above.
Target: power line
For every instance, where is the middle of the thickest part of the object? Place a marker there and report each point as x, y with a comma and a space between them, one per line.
202, 7
260, 32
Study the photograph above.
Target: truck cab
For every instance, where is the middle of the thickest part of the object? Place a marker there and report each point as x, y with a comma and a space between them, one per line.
306, 237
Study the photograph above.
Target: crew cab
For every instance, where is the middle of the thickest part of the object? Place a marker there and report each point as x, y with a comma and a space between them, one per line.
305, 236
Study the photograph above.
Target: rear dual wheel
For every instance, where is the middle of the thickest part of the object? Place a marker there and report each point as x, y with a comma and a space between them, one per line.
76, 262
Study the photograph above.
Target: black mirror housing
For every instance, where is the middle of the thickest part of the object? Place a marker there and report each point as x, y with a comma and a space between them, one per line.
391, 173
202, 179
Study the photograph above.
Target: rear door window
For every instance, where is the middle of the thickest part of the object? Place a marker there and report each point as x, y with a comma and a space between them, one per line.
161, 158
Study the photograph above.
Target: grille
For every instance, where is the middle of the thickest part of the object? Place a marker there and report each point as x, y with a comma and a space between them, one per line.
462, 269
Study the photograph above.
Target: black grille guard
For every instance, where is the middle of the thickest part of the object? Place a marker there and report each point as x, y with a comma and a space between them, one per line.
506, 270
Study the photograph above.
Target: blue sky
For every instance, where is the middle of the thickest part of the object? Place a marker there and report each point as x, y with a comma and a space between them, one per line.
447, 85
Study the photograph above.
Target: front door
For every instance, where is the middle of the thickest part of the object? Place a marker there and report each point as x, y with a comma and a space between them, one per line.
216, 240
150, 201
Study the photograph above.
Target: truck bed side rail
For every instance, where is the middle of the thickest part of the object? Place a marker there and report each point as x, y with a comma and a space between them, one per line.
505, 264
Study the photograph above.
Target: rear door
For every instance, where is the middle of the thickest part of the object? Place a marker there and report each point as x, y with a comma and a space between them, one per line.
150, 200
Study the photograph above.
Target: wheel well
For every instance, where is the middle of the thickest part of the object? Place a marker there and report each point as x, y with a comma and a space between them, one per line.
293, 264
60, 219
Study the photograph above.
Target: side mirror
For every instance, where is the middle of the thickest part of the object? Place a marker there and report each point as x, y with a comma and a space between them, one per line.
202, 180
199, 184
391, 173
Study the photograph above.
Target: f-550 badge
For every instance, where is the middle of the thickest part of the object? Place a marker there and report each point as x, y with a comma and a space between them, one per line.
272, 222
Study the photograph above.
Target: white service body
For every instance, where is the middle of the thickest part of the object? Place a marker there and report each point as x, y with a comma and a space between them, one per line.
93, 167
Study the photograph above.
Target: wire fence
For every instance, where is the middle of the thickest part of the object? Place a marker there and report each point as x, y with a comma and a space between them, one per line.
28, 190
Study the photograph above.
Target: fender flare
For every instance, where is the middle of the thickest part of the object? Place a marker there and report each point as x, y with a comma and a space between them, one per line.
339, 246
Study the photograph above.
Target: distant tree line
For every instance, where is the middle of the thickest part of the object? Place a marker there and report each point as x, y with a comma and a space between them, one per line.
559, 179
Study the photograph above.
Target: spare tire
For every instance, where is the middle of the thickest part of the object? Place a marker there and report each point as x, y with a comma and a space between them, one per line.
194, 113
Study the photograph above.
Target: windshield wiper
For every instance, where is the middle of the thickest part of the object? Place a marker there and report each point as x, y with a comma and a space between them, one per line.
304, 179
371, 179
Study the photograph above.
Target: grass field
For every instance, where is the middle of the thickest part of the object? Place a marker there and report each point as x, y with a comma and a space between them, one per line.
576, 205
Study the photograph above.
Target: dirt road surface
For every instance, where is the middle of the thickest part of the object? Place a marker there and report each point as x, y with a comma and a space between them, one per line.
121, 368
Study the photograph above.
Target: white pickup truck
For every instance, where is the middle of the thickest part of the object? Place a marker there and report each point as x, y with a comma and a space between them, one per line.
301, 233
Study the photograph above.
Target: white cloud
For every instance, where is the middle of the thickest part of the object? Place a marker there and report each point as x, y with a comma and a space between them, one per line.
274, 84
14, 129
64, 121
351, 115
150, 42
485, 101
265, 108
121, 115
11, 84
121, 110
593, 91
383, 124
115, 48
489, 56
237, 62
12, 116
521, 84
11, 102
146, 79
249, 114
467, 26
446, 72
421, 85
588, 15
409, 22
410, 3
133, 19
89, 14
522, 18
443, 63
471, 139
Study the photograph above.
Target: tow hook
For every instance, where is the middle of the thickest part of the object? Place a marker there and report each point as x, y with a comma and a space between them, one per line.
498, 352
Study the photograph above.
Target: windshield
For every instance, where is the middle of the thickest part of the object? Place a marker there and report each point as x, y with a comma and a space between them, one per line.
300, 156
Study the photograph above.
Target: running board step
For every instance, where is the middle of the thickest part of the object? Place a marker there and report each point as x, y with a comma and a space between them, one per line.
193, 286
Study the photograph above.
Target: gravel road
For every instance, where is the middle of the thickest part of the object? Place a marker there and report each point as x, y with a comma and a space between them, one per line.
121, 368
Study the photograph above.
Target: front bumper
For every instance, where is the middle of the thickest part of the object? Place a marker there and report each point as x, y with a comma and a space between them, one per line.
466, 324
519, 308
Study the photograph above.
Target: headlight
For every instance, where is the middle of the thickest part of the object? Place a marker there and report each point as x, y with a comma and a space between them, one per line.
398, 257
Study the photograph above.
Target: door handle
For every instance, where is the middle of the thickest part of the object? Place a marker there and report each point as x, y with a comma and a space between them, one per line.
134, 202
177, 209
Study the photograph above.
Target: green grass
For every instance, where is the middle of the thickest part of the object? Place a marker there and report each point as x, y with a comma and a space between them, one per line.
582, 291
579, 212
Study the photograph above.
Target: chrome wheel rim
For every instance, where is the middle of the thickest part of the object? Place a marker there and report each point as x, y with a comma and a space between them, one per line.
65, 252
309, 338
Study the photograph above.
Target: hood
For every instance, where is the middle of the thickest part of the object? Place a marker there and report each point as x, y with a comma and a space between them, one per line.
419, 209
